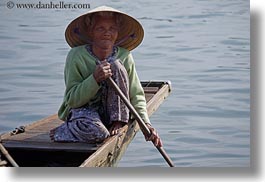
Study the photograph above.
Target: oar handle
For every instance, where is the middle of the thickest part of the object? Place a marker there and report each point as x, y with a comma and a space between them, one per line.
141, 123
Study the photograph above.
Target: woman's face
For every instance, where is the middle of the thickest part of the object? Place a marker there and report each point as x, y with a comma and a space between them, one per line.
104, 32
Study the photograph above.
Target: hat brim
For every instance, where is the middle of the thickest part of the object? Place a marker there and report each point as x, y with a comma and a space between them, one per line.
129, 37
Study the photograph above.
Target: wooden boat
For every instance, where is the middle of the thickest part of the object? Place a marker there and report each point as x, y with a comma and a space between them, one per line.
34, 147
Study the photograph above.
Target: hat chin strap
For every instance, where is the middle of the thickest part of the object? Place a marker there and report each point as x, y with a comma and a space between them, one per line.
133, 36
83, 38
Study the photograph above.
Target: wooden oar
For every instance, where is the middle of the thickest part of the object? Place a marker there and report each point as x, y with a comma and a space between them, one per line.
141, 123
6, 154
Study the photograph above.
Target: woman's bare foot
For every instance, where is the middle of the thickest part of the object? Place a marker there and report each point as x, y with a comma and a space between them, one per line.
115, 128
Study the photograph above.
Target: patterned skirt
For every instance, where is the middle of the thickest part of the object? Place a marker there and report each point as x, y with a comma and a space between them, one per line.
90, 123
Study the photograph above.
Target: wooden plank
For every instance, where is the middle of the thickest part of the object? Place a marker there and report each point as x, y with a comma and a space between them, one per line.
111, 152
106, 155
105, 152
157, 99
154, 83
150, 90
148, 97
38, 127
36, 145
2, 163
36, 136
39, 131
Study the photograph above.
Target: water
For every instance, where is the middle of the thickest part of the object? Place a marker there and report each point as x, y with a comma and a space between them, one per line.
202, 46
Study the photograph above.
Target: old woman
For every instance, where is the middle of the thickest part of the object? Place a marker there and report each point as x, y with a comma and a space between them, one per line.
101, 41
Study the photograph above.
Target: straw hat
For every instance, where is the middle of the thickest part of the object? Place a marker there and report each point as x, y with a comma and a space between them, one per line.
129, 37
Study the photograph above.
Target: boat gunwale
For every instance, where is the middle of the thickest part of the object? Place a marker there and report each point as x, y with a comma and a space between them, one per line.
164, 88
152, 106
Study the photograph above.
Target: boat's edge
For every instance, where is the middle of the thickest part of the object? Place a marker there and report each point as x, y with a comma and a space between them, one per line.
118, 144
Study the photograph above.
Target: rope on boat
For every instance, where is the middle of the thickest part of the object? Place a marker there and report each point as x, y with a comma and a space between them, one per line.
18, 130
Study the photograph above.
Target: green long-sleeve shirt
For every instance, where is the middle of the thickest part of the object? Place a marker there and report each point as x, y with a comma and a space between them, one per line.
82, 88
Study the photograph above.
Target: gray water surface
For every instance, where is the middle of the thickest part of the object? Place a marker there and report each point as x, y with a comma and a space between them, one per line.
201, 46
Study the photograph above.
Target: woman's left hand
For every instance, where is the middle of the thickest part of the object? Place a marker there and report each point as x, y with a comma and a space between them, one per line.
154, 137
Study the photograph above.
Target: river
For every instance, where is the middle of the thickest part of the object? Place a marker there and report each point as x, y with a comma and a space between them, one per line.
201, 46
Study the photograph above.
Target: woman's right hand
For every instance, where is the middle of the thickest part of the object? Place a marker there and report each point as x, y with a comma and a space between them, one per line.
102, 71
154, 137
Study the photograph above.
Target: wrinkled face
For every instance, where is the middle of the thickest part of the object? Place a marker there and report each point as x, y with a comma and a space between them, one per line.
104, 32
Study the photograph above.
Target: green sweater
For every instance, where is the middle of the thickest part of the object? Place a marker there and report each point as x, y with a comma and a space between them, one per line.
82, 88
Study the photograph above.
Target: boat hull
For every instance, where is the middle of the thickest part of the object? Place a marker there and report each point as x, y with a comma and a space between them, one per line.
34, 147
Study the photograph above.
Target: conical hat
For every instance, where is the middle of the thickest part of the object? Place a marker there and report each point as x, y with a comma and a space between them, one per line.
130, 35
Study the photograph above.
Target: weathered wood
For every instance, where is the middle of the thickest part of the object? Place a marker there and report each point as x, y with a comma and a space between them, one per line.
7, 156
152, 90
3, 163
157, 99
52, 146
110, 153
37, 130
36, 137
102, 158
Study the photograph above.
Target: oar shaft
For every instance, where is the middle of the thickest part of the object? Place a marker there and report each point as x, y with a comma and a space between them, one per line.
6, 154
166, 157
130, 107
141, 123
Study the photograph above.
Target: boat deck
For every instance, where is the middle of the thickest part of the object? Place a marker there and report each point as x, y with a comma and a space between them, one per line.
36, 135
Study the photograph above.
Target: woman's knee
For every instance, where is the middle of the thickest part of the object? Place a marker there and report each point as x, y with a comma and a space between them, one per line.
116, 65
100, 132
100, 137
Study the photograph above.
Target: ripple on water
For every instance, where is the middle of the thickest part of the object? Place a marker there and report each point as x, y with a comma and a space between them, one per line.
197, 140
235, 42
184, 46
7, 37
221, 113
7, 54
224, 131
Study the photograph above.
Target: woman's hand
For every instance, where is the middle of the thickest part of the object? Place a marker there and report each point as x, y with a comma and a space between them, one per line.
102, 71
154, 137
